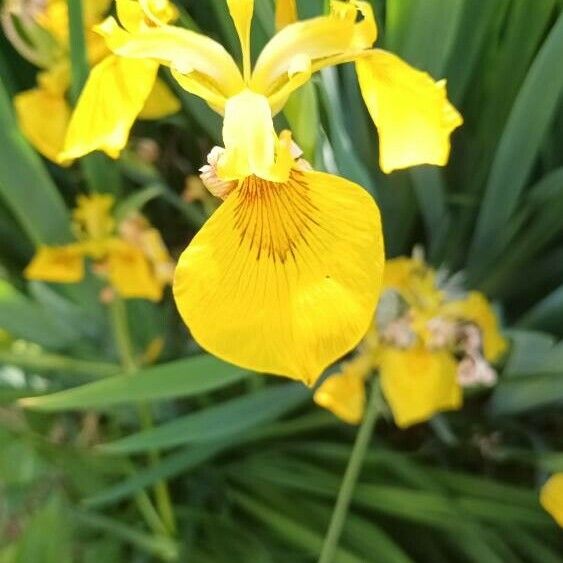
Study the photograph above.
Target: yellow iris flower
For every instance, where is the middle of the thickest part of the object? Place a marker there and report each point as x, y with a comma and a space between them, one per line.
412, 113
551, 497
285, 275
134, 260
44, 112
427, 343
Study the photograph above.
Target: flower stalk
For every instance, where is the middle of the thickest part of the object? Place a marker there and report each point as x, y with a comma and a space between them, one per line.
351, 475
130, 367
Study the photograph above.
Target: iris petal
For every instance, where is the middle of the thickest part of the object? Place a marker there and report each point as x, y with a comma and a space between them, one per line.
411, 112
284, 277
113, 97
418, 383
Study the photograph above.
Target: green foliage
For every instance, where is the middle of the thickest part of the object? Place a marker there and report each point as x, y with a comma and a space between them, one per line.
96, 436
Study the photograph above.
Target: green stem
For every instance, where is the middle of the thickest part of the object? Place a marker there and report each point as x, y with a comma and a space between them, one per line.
355, 463
78, 56
129, 363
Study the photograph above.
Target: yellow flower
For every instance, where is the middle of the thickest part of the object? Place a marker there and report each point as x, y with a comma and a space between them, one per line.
136, 263
427, 342
551, 497
411, 111
43, 112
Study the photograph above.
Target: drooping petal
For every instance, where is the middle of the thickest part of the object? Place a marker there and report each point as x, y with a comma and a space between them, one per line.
325, 40
241, 11
344, 393
249, 137
160, 103
286, 13
551, 497
113, 97
61, 264
476, 309
43, 117
412, 114
284, 278
178, 48
130, 273
418, 383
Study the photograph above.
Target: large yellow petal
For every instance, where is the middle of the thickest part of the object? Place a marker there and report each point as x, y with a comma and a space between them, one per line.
113, 97
241, 11
418, 383
62, 264
325, 40
180, 49
43, 117
284, 278
130, 272
160, 103
250, 140
412, 113
551, 497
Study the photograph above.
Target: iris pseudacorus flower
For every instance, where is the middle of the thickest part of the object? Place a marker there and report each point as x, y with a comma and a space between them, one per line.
285, 276
551, 497
39, 31
130, 256
428, 341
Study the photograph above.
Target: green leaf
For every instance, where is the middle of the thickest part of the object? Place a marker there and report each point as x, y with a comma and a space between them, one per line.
217, 422
530, 118
181, 378
25, 186
22, 318
517, 396
302, 113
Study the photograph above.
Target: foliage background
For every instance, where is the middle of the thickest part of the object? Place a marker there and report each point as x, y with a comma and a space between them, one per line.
252, 466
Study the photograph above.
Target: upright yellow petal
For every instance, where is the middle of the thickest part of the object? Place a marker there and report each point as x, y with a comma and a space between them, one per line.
43, 117
476, 309
286, 13
130, 273
62, 264
325, 40
241, 12
412, 114
418, 383
251, 143
284, 278
113, 97
551, 497
160, 103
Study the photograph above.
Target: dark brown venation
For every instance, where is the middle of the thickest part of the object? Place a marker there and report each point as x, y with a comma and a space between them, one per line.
273, 218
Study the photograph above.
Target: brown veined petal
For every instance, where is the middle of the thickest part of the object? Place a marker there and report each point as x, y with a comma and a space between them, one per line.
113, 97
284, 277
43, 117
412, 113
61, 264
418, 383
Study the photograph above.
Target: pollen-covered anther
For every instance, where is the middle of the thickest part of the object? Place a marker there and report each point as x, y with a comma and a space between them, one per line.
475, 370
442, 331
217, 187
399, 333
